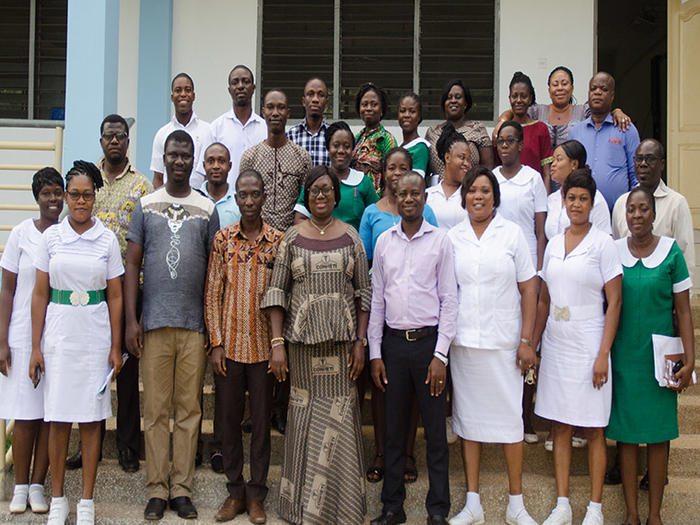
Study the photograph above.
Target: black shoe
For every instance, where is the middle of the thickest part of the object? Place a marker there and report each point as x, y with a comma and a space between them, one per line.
128, 460
217, 462
390, 518
247, 426
75, 461
644, 482
437, 519
155, 509
198, 459
278, 420
613, 476
184, 507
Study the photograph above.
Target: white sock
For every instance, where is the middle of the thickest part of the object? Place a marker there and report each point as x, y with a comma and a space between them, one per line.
563, 501
596, 506
515, 502
84, 501
473, 501
59, 500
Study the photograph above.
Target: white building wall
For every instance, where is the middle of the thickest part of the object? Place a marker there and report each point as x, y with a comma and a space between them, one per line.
127, 91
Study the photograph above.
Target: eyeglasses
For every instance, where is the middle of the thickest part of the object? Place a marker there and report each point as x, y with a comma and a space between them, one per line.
111, 136
645, 158
508, 141
326, 190
76, 195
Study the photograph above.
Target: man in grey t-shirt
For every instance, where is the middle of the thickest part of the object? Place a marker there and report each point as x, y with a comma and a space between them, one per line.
171, 231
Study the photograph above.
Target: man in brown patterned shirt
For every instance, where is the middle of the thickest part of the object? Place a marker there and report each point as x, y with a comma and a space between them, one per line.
240, 267
282, 164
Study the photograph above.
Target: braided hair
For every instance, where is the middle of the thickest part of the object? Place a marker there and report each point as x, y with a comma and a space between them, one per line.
83, 167
448, 138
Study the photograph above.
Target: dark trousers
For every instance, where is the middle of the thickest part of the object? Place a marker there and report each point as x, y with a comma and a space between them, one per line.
128, 411
231, 389
406, 369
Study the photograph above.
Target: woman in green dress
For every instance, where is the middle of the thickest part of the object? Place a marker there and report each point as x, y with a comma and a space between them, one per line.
655, 282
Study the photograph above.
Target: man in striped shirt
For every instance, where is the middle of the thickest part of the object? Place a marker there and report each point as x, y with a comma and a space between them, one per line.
240, 267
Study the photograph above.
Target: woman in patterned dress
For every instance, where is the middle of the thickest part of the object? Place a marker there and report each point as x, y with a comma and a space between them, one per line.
456, 101
318, 301
374, 141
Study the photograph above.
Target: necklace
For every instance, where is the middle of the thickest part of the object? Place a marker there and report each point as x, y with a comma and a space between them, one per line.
322, 229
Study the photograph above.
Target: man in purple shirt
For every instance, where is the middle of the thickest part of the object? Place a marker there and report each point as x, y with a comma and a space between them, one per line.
412, 323
610, 151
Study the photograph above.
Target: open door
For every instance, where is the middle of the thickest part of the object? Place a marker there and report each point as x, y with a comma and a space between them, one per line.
683, 155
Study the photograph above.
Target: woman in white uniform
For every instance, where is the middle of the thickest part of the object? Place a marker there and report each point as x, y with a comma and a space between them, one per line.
581, 270
568, 156
492, 348
77, 307
523, 194
20, 400
444, 198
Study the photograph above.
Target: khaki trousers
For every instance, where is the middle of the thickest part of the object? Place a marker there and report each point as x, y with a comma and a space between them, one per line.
172, 368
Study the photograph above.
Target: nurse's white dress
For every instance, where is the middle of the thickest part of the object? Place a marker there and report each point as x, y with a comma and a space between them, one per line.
522, 196
18, 397
487, 385
77, 339
574, 330
448, 211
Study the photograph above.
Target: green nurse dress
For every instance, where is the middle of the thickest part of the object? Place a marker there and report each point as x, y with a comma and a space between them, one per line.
642, 411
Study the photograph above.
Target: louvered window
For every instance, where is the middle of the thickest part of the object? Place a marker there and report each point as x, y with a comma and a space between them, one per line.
39, 93
400, 45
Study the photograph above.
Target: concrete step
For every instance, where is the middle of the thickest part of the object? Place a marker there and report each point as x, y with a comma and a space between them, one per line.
685, 453
120, 498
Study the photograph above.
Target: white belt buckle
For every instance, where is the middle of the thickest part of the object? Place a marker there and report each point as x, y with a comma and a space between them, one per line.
79, 298
562, 314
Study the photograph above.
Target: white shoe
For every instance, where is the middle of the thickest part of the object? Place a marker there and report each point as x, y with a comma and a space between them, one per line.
37, 501
467, 517
549, 445
560, 515
519, 518
593, 517
451, 436
578, 442
531, 438
59, 511
19, 499
85, 512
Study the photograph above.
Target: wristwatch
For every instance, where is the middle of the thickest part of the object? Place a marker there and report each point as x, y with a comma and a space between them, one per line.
362, 340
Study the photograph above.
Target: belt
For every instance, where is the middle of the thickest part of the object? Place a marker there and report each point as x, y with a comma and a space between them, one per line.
575, 313
73, 298
413, 334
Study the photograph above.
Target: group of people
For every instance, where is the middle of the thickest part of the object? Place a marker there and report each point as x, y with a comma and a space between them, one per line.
310, 264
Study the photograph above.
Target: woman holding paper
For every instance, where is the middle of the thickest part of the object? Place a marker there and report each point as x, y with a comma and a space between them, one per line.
76, 333
655, 282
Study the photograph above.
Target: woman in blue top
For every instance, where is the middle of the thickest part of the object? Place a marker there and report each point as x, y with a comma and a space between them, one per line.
376, 219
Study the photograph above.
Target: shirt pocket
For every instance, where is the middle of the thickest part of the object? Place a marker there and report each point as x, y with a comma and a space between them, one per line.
616, 153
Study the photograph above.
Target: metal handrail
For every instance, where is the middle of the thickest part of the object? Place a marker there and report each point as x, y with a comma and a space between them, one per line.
56, 146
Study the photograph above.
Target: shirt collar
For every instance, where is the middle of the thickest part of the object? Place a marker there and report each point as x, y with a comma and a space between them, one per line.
523, 177
127, 169
193, 119
661, 190
355, 177
424, 229
415, 142
608, 119
69, 235
254, 117
305, 127
268, 232
229, 194
654, 259
466, 228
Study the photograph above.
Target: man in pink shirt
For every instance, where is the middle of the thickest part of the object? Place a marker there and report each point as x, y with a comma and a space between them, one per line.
412, 322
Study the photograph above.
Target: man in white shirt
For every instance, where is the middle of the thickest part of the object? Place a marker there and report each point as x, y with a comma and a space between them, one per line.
673, 217
239, 128
182, 96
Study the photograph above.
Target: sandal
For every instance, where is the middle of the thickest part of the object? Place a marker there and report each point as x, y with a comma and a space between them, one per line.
410, 475
375, 474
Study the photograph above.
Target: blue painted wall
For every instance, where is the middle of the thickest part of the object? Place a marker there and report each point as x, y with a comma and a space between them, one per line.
153, 102
92, 56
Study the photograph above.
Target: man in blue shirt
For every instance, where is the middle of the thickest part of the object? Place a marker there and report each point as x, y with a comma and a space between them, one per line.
217, 164
610, 151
